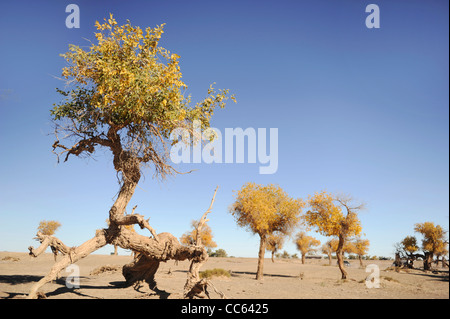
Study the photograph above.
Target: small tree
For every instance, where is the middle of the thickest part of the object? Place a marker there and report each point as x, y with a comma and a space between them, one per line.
406, 249
264, 210
219, 253
274, 243
305, 244
361, 247
48, 227
329, 248
44, 235
334, 215
189, 238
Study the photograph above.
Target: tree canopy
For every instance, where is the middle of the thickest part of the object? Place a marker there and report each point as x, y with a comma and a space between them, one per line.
126, 92
206, 236
305, 244
48, 227
266, 209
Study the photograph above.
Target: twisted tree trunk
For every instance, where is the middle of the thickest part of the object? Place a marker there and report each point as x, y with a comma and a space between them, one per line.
150, 251
340, 258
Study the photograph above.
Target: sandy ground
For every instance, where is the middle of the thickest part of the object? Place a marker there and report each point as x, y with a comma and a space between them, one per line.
282, 280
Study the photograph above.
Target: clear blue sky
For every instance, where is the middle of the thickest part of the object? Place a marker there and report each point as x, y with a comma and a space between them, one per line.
360, 111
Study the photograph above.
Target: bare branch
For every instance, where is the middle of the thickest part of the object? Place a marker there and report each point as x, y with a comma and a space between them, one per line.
46, 240
203, 220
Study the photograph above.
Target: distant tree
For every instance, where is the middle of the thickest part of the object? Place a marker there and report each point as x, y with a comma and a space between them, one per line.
285, 255
433, 243
305, 244
48, 227
406, 249
334, 215
274, 243
219, 253
328, 248
361, 247
265, 210
189, 238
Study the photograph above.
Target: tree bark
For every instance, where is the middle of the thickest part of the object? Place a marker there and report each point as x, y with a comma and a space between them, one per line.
262, 250
151, 251
339, 257
398, 261
427, 260
303, 259
74, 255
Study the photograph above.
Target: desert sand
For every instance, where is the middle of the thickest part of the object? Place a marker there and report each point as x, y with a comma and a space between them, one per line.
284, 279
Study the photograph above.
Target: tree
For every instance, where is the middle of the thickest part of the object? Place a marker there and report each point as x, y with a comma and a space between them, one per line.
206, 235
406, 249
329, 248
274, 243
433, 243
48, 227
124, 94
361, 247
45, 232
264, 210
334, 215
305, 244
218, 253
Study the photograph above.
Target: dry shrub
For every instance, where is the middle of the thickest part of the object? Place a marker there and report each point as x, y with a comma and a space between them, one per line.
216, 272
389, 279
7, 258
105, 269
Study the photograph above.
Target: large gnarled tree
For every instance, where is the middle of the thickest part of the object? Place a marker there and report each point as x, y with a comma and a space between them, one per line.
125, 94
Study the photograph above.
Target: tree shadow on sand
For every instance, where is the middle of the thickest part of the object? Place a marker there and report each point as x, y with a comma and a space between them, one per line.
441, 275
63, 289
18, 279
250, 273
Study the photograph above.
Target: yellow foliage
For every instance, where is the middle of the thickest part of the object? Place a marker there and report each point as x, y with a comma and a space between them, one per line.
332, 215
274, 242
48, 227
129, 79
266, 209
206, 236
361, 246
434, 237
410, 244
305, 243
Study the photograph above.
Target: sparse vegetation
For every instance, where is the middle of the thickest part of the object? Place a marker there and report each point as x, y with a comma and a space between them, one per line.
216, 272
105, 269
